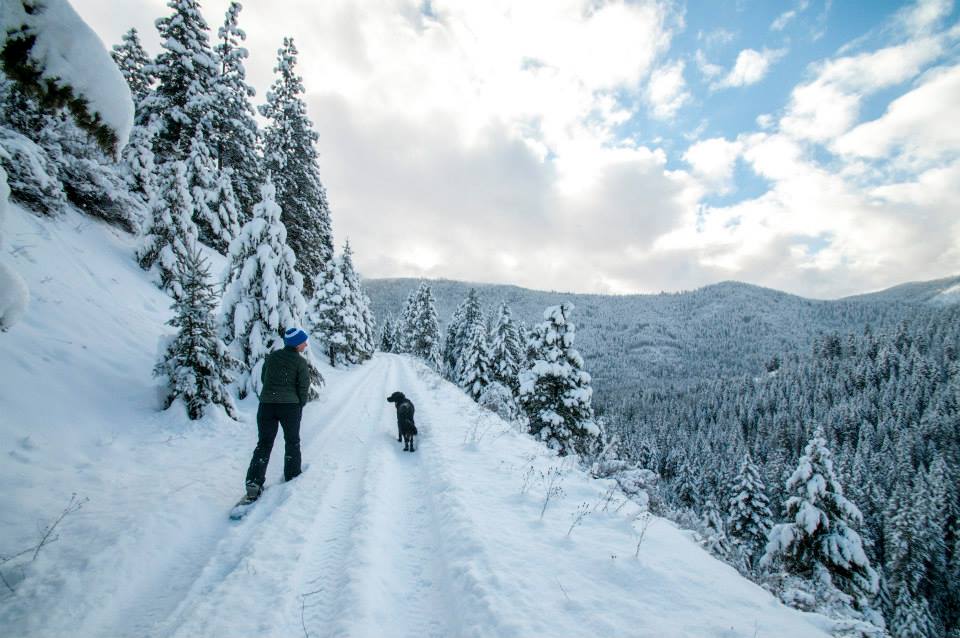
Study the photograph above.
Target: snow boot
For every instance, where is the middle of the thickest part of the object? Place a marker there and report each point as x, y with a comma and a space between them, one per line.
253, 491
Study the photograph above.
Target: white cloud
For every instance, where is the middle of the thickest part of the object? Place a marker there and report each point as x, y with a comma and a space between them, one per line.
924, 15
814, 229
787, 17
666, 90
708, 69
713, 160
751, 67
829, 105
918, 124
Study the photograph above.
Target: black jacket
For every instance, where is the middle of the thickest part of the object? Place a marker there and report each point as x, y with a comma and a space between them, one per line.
285, 378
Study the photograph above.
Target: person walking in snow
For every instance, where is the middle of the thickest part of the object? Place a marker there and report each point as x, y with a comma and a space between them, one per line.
286, 383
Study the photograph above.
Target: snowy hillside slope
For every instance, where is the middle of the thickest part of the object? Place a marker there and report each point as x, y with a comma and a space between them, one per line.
939, 291
369, 541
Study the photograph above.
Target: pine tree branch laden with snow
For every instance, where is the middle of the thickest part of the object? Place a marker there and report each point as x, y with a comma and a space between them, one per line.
54, 55
169, 228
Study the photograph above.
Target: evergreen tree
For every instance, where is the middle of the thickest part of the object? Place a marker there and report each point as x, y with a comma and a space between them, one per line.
911, 616
186, 76
169, 227
404, 325
361, 340
134, 64
820, 541
262, 295
195, 363
450, 354
331, 313
555, 390
506, 349
236, 137
749, 513
291, 160
387, 335
421, 330
460, 330
473, 366
715, 538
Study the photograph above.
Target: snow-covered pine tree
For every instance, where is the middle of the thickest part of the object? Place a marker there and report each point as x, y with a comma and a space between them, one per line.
555, 390
207, 188
473, 365
291, 160
820, 541
461, 325
715, 538
195, 363
404, 325
361, 339
909, 557
263, 295
134, 64
168, 229
506, 350
236, 136
449, 352
186, 73
387, 335
749, 512
330, 313
422, 332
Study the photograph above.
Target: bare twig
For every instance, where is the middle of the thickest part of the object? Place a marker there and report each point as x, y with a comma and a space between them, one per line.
551, 481
71, 507
561, 587
645, 520
9, 586
578, 515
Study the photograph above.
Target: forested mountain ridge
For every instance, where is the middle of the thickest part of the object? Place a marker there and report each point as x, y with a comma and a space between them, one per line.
661, 340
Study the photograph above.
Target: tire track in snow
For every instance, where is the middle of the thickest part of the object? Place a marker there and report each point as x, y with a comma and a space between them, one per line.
468, 577
395, 581
324, 592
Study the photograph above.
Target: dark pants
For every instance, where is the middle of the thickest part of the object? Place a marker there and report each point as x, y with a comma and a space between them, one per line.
269, 416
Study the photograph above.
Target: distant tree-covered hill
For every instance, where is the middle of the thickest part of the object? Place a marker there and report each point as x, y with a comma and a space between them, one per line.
633, 342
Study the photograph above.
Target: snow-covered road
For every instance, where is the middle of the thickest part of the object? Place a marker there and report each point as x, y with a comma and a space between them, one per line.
371, 541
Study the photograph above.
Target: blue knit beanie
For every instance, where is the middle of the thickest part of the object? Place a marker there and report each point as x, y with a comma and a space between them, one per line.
294, 337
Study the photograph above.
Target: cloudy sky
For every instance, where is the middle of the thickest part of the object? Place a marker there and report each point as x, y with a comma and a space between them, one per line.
593, 146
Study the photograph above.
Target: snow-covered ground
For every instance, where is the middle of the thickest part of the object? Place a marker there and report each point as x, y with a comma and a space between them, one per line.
369, 541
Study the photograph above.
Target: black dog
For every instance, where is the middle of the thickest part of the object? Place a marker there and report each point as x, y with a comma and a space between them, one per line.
406, 429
